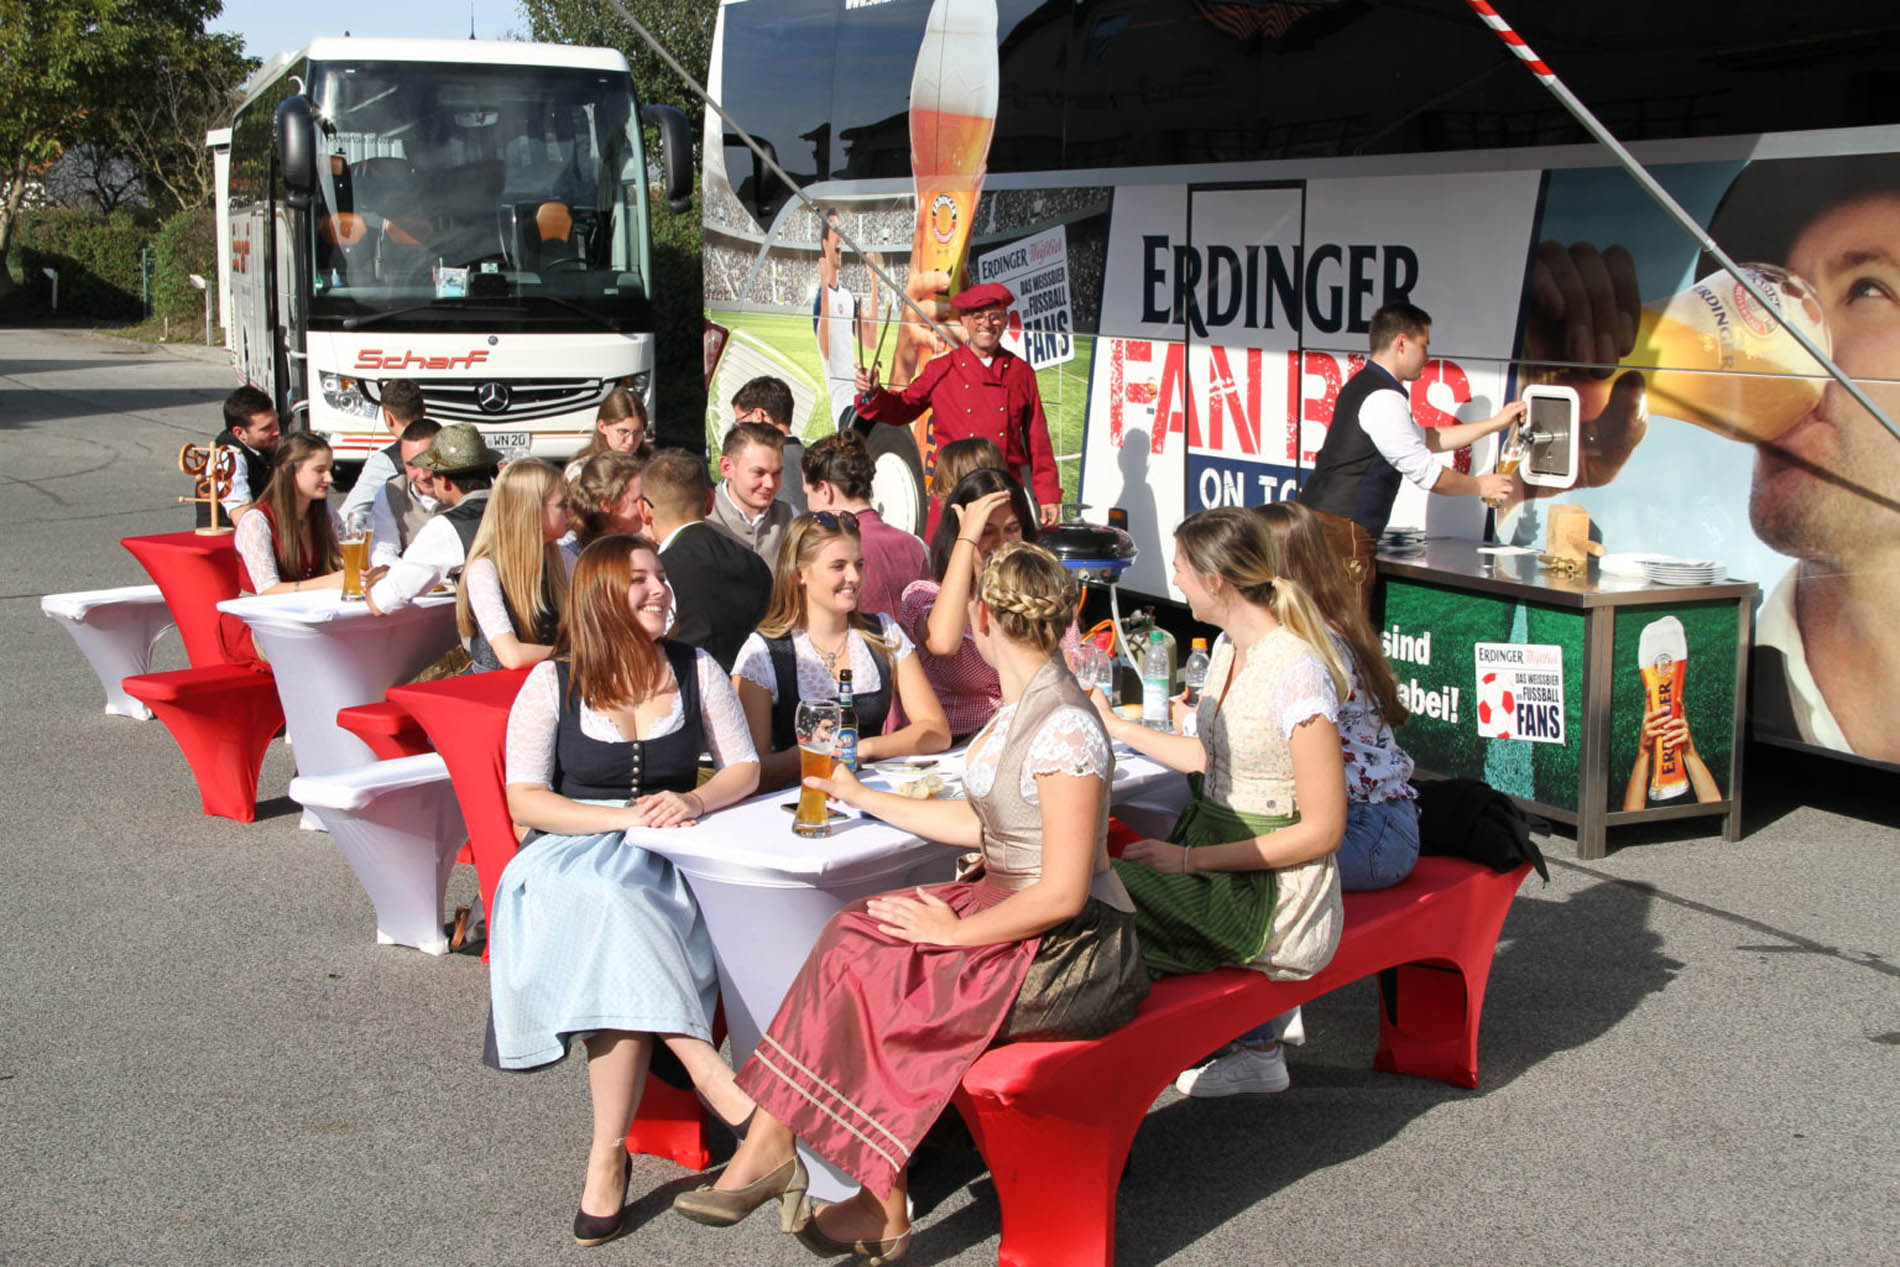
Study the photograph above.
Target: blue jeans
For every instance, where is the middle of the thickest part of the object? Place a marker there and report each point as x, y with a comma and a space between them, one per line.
1379, 848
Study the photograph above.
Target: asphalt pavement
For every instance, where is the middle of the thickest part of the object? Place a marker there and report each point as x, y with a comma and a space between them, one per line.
1691, 1049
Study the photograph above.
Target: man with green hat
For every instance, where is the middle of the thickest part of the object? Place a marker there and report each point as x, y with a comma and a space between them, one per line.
466, 468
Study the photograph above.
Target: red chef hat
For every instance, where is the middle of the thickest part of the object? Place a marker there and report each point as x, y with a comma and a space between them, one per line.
981, 297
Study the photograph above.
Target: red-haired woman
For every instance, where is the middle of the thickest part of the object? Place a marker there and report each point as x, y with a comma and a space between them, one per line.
594, 937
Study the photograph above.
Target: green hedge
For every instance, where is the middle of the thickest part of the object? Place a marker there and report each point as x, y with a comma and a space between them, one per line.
97, 260
185, 244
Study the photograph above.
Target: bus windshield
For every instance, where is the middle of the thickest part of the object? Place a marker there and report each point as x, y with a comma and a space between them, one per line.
444, 189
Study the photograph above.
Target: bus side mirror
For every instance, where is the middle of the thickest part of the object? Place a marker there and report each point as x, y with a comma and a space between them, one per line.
297, 148
676, 152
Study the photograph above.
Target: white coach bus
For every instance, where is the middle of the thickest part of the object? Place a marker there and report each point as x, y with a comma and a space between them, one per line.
470, 215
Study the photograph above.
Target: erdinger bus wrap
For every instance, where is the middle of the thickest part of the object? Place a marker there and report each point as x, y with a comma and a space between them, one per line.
1200, 205
469, 215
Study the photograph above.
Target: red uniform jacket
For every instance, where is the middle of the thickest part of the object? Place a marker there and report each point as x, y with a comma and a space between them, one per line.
999, 402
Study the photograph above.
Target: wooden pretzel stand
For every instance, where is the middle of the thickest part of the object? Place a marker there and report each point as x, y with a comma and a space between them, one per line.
212, 466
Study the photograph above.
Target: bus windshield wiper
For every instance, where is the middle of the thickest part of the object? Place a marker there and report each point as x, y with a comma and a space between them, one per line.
375, 318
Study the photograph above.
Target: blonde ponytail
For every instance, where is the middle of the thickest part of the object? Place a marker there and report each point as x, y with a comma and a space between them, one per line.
1234, 544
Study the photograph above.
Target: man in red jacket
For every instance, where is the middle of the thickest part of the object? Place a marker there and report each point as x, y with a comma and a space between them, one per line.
978, 389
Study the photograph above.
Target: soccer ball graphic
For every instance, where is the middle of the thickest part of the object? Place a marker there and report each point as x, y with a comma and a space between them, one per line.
1497, 707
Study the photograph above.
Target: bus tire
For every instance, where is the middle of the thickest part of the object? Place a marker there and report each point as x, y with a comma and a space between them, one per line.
897, 481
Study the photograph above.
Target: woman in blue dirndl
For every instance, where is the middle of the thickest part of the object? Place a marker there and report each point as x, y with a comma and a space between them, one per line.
593, 937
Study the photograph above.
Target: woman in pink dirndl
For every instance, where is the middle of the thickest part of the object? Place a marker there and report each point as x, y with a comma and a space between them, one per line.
905, 990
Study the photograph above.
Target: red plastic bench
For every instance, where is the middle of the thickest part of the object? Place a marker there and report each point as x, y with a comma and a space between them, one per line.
223, 718
386, 728
1055, 1120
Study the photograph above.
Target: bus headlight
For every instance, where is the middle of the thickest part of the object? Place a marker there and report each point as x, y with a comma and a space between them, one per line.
639, 382
345, 396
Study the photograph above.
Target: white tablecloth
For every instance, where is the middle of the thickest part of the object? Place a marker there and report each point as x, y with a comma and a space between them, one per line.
767, 893
328, 654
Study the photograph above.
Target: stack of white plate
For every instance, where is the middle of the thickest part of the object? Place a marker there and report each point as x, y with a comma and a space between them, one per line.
1402, 541
1668, 571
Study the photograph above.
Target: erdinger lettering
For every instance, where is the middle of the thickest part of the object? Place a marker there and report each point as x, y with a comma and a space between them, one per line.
377, 359
1257, 286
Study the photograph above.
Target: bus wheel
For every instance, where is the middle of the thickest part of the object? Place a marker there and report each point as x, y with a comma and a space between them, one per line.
897, 482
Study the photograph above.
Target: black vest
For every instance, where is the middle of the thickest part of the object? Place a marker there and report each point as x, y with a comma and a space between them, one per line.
1351, 478
466, 516
481, 653
256, 473
872, 708
592, 770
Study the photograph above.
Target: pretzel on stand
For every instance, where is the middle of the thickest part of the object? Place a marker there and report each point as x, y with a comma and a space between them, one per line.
212, 466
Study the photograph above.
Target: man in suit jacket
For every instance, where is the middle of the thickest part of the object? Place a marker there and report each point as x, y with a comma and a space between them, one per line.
720, 587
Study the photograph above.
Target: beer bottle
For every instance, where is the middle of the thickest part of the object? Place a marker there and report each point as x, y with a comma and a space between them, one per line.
845, 749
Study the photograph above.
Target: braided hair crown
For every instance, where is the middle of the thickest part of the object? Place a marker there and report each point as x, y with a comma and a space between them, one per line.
1030, 593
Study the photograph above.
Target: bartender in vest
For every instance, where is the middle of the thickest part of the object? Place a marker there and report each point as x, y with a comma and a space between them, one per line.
250, 427
1373, 443
464, 469
978, 389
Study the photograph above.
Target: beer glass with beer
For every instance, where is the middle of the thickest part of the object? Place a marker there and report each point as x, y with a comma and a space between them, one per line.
353, 543
816, 726
1712, 356
1662, 654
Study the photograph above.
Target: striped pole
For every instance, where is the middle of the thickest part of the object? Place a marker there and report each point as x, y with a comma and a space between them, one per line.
1548, 77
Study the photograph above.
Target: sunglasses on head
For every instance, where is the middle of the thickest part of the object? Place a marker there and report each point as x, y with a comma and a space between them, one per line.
835, 521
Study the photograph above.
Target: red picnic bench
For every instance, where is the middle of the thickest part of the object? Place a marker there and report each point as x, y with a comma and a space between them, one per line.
1055, 1121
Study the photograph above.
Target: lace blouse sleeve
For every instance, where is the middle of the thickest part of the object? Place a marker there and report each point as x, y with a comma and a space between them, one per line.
533, 723
1305, 691
721, 717
895, 637
252, 540
1071, 741
485, 599
754, 664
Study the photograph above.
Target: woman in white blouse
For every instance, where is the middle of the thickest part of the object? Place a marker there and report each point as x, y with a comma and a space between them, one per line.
287, 537
812, 630
904, 991
508, 606
593, 937
1247, 876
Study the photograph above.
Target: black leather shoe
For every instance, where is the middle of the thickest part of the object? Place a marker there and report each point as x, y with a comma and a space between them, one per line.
598, 1229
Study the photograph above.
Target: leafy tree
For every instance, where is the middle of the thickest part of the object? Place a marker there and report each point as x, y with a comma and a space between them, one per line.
187, 86
60, 62
684, 26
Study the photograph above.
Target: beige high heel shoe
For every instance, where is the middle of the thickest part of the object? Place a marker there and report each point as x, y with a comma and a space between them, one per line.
717, 1208
870, 1253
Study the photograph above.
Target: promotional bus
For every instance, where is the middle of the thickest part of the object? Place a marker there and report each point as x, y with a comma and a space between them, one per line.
1200, 203
470, 215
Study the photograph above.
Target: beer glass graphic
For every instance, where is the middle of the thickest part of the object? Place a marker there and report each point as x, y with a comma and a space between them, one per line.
1662, 653
1713, 356
952, 117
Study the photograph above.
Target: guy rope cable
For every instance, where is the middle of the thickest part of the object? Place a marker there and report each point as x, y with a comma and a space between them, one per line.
1548, 77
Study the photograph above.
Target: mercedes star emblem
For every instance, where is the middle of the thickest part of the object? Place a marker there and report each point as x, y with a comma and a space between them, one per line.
492, 397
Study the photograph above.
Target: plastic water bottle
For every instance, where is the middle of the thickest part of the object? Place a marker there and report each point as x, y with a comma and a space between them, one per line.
1155, 683
1194, 672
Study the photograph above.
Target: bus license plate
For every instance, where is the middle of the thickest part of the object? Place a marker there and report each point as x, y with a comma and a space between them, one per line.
511, 444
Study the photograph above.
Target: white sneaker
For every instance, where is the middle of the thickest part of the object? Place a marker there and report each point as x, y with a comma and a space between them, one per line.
1242, 1071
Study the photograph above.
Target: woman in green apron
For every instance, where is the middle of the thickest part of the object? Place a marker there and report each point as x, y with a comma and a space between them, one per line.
1247, 874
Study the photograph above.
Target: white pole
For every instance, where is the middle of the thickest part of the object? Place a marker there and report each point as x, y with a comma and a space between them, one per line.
199, 282
54, 276
1547, 77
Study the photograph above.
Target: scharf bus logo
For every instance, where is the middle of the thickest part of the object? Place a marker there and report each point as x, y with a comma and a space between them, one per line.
377, 359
